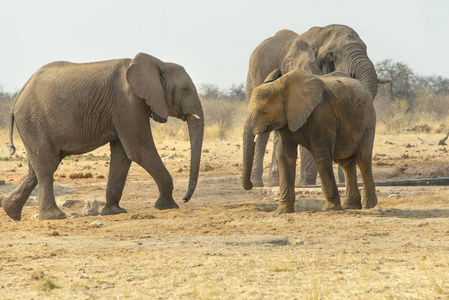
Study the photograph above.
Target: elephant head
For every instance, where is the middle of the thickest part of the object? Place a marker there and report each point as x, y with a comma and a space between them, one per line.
288, 100
169, 91
339, 48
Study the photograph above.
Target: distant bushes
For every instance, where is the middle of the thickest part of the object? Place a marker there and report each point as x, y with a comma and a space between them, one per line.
6, 101
411, 102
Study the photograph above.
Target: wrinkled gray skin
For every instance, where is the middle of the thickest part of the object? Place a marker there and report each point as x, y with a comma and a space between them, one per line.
320, 50
68, 108
332, 116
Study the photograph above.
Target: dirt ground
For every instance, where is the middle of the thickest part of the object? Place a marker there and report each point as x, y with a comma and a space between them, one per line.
225, 243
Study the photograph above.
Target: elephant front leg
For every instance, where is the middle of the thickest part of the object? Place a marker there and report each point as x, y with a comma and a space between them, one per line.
328, 183
155, 167
118, 171
286, 155
146, 155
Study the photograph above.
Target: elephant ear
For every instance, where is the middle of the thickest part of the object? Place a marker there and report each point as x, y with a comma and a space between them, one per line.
145, 75
273, 76
303, 92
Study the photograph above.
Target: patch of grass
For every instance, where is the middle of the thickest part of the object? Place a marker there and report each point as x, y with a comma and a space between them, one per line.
438, 281
281, 268
5, 158
46, 285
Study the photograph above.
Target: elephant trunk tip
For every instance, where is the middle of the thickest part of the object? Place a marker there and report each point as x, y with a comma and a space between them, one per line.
247, 184
189, 192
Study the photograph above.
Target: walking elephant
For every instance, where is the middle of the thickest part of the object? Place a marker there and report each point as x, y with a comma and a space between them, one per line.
320, 50
332, 116
67, 108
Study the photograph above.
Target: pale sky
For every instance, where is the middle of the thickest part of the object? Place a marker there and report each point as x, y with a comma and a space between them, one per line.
213, 40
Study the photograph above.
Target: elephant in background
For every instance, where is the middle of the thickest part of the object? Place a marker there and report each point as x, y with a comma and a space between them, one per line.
332, 116
320, 50
67, 108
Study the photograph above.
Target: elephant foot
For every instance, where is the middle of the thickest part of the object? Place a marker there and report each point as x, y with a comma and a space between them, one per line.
52, 214
332, 206
12, 209
348, 204
370, 203
283, 208
165, 203
113, 210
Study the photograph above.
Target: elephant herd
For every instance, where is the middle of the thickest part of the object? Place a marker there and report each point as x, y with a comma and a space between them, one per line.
315, 90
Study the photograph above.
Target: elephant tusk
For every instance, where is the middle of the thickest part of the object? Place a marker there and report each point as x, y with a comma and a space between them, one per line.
195, 116
256, 138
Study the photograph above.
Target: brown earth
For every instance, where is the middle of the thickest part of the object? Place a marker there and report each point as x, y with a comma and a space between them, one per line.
225, 243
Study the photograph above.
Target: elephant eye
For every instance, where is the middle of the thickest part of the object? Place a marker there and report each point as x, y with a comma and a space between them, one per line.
264, 113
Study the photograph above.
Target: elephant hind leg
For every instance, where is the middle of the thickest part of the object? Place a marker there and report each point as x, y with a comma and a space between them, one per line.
13, 205
118, 171
353, 199
364, 162
45, 162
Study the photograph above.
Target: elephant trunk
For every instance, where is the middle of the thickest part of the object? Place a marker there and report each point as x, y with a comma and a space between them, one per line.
355, 62
248, 154
196, 131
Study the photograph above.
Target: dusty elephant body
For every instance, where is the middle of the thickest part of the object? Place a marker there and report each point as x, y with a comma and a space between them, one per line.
68, 108
320, 50
332, 116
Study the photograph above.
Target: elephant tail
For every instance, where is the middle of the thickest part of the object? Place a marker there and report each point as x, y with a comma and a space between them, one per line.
12, 148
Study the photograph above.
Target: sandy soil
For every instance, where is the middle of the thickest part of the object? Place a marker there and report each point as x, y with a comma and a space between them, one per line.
225, 243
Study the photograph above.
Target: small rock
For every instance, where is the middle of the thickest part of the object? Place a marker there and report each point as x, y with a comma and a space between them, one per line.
96, 224
73, 215
2, 182
379, 208
299, 242
214, 157
205, 150
235, 165
19, 165
90, 208
100, 176
206, 167
70, 203
276, 199
80, 175
168, 157
396, 196
35, 217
